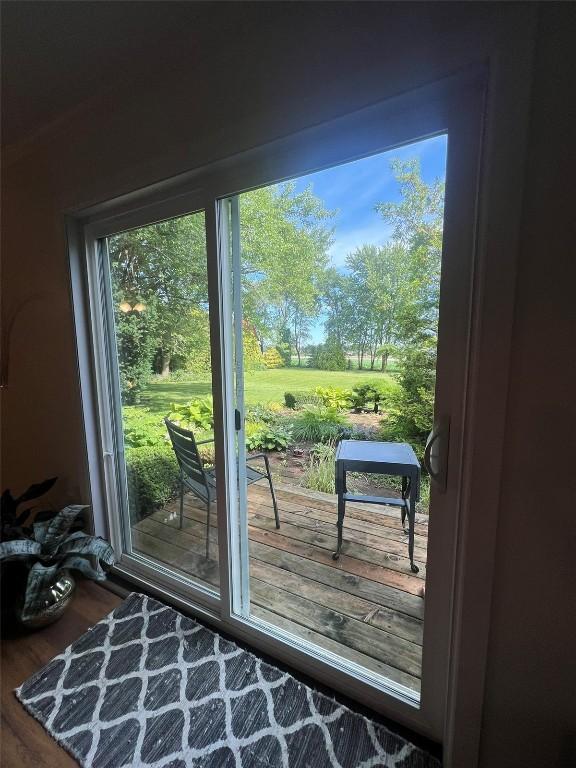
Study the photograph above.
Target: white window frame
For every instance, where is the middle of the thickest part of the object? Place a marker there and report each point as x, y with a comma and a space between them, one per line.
454, 105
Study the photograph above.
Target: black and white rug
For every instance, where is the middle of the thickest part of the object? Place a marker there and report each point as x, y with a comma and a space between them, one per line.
147, 686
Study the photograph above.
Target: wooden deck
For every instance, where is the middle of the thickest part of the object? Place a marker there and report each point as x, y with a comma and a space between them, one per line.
367, 606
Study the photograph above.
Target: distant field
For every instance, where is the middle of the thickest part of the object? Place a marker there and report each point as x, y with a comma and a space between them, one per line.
260, 386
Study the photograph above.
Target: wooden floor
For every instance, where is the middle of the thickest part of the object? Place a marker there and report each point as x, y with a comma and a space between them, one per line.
367, 606
24, 742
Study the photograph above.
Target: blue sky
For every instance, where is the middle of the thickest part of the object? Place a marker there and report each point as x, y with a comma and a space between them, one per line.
354, 189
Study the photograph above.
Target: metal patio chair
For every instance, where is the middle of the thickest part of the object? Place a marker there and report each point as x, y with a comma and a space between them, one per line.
201, 480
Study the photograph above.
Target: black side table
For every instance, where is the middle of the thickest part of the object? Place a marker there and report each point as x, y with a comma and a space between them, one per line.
383, 459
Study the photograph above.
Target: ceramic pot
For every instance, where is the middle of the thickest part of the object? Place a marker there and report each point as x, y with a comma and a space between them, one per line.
53, 603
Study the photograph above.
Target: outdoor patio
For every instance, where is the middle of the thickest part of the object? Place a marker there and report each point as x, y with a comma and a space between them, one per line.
367, 607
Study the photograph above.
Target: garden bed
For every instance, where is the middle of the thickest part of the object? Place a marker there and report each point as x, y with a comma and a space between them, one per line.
298, 436
291, 466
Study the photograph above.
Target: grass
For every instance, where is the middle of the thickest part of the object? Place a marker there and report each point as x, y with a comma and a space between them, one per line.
319, 475
260, 386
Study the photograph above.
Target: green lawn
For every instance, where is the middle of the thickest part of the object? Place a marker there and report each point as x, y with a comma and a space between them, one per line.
260, 386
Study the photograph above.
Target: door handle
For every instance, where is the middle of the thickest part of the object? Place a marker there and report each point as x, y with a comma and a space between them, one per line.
436, 453
237, 420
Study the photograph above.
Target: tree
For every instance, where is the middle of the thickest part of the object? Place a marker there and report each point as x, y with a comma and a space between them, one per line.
329, 356
136, 343
338, 303
418, 223
285, 236
253, 358
195, 352
382, 289
417, 220
163, 266
284, 346
300, 331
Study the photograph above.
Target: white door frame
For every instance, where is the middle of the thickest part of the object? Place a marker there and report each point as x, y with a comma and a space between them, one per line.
454, 105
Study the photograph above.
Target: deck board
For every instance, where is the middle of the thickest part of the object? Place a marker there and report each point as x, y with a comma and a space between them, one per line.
301, 523
357, 608
317, 516
367, 606
292, 538
328, 644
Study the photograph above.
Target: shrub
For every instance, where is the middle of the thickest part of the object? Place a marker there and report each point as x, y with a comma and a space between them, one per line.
290, 400
285, 351
253, 357
327, 357
318, 425
267, 437
378, 393
273, 359
319, 476
411, 408
196, 356
196, 413
262, 413
334, 397
153, 478
141, 427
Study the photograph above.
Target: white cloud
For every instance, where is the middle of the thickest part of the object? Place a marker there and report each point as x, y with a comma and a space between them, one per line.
376, 233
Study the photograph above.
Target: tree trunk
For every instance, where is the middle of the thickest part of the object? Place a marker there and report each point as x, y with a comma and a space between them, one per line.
384, 360
298, 353
166, 357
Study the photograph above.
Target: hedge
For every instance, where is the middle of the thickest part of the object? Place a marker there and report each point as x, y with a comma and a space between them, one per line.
153, 478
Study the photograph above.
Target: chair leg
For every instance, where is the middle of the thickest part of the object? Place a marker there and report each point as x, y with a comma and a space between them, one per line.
181, 500
207, 530
272, 493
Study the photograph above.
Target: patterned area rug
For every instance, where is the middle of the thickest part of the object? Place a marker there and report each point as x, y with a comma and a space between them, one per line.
147, 686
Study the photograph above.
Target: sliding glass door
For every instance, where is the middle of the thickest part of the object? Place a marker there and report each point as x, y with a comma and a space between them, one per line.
336, 286
253, 331
154, 283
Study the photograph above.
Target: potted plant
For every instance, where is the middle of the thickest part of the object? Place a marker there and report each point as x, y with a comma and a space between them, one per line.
48, 549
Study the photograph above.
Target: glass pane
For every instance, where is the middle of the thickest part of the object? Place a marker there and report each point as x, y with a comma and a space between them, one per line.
160, 296
340, 276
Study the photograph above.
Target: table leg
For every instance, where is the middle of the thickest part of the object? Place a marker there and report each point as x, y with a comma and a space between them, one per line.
411, 522
405, 492
340, 490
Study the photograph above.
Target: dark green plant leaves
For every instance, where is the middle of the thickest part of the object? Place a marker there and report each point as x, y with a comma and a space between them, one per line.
52, 533
18, 549
13, 523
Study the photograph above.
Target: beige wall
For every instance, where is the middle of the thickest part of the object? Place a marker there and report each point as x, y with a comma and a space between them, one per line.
273, 71
278, 70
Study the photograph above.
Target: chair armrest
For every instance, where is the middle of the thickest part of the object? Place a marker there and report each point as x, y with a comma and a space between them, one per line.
202, 442
257, 456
